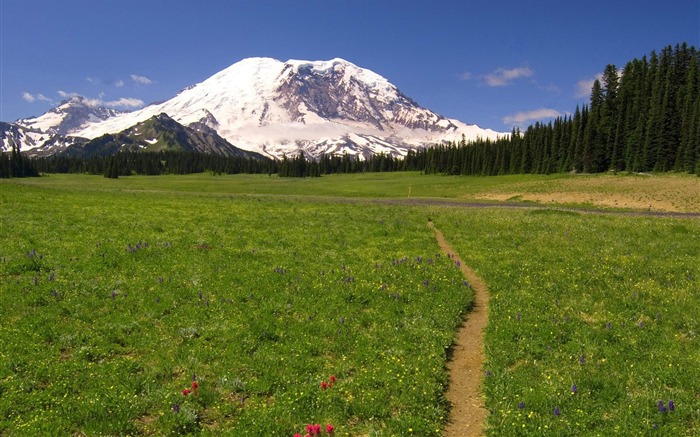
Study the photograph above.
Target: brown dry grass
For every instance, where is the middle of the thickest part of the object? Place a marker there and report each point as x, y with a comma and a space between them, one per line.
667, 193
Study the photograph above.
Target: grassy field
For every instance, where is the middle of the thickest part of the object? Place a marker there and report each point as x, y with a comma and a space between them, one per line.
117, 295
674, 192
592, 316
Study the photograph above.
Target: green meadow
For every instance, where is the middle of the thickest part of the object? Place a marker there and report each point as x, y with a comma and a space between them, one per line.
255, 305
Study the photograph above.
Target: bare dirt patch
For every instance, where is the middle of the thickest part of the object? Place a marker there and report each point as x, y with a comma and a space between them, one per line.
468, 412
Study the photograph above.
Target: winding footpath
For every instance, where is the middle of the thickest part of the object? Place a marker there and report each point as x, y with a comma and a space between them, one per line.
468, 412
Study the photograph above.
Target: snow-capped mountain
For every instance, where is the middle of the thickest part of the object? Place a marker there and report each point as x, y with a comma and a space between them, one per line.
69, 116
276, 108
47, 133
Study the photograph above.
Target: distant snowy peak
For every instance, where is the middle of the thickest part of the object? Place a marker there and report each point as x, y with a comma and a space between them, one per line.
69, 116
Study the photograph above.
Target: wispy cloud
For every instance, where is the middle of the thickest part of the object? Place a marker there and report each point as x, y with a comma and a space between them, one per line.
584, 86
119, 83
464, 76
31, 98
123, 102
66, 95
141, 80
503, 76
537, 114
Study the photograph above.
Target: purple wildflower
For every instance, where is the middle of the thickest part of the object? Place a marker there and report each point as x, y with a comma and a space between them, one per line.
582, 360
342, 320
518, 317
671, 405
661, 407
176, 408
521, 405
608, 325
488, 373
557, 412
114, 294
574, 389
457, 263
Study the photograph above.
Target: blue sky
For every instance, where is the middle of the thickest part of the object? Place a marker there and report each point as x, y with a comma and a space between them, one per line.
492, 63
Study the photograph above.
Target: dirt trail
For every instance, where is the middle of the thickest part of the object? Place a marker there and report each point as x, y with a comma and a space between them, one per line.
468, 413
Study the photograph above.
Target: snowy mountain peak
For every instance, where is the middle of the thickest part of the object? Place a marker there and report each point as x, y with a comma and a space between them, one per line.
72, 114
282, 108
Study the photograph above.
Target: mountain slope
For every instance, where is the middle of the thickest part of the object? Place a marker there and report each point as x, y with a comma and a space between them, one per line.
276, 108
157, 133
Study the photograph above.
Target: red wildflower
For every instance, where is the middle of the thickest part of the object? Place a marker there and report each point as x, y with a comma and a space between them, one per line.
324, 385
329, 429
332, 378
186, 391
195, 386
297, 435
317, 429
309, 429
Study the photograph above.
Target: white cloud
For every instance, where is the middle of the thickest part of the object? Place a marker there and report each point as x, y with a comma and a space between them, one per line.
119, 83
141, 80
503, 76
31, 98
66, 95
464, 76
537, 114
125, 102
584, 86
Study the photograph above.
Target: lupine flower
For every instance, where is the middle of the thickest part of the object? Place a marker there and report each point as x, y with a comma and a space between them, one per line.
661, 407
557, 412
176, 408
671, 405
582, 360
521, 405
608, 325
458, 264
329, 429
574, 389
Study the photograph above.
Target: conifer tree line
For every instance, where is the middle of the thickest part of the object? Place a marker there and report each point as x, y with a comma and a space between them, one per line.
16, 165
643, 118
153, 163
